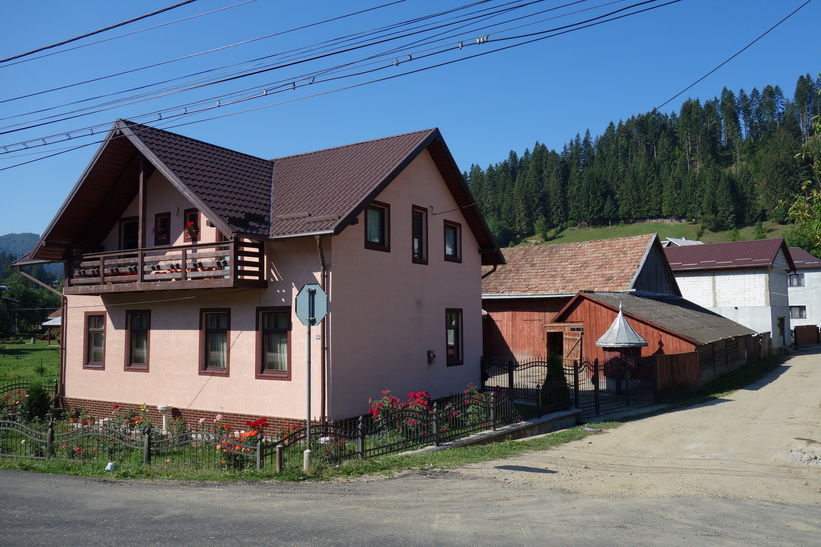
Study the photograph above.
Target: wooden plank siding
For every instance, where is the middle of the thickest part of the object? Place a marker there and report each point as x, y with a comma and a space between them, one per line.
597, 319
514, 328
806, 335
655, 276
677, 375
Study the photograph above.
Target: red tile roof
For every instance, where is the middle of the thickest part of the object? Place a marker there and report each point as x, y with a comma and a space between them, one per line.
757, 253
804, 260
565, 269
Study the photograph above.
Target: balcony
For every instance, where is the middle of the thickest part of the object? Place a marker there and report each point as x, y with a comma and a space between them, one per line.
227, 264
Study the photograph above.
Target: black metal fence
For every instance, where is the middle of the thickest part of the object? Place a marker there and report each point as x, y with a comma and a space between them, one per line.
589, 386
396, 430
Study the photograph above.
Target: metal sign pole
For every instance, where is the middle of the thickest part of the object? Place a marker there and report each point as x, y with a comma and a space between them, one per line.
311, 306
306, 461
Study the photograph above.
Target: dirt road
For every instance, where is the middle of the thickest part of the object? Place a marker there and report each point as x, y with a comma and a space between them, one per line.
762, 443
745, 470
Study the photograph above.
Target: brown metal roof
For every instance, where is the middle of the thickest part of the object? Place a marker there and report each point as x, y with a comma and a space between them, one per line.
673, 314
318, 192
804, 260
313, 192
757, 253
601, 265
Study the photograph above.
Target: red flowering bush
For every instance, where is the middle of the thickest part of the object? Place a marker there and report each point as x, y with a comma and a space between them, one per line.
236, 448
409, 419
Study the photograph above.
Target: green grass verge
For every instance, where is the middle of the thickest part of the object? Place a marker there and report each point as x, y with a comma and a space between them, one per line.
26, 362
388, 465
663, 229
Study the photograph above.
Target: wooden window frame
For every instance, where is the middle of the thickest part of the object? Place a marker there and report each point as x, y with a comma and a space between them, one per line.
386, 227
459, 359
122, 235
423, 259
457, 256
129, 331
261, 373
162, 229
87, 339
186, 218
203, 369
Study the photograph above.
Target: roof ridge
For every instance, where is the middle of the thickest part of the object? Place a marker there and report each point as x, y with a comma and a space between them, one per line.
132, 125
361, 143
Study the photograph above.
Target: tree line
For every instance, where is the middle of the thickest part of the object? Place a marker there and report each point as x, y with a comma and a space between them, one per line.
727, 162
33, 303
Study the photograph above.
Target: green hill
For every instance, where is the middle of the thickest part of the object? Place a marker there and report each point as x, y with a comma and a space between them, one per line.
663, 229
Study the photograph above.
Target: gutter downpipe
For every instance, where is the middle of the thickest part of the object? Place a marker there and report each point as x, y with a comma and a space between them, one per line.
323, 282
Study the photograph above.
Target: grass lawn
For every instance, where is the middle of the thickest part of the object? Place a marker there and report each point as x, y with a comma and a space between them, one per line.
27, 362
663, 229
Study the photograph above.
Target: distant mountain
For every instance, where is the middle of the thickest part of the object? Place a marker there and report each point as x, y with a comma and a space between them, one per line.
18, 244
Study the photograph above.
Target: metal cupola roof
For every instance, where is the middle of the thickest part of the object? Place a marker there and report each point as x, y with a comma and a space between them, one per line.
621, 335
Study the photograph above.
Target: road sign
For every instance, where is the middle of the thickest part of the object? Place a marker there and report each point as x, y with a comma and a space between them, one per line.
311, 304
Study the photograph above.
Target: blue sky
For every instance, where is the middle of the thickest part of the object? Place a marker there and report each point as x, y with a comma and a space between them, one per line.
545, 91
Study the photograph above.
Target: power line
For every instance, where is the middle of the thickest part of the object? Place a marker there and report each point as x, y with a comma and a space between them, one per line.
177, 59
503, 8
99, 31
733, 56
557, 32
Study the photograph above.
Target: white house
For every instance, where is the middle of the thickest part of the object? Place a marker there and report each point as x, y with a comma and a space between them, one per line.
805, 288
745, 281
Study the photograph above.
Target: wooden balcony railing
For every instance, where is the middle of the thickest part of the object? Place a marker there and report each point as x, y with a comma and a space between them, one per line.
236, 263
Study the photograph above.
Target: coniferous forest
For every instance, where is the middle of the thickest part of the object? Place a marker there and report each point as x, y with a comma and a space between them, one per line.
726, 162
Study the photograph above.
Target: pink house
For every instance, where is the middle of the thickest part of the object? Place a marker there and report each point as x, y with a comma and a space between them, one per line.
183, 260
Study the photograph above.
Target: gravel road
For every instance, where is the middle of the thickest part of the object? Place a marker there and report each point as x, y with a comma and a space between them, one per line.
744, 470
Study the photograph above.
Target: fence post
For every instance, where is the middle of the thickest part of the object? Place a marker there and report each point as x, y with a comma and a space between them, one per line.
435, 413
260, 455
539, 389
596, 383
360, 437
510, 374
147, 448
576, 395
50, 438
280, 450
492, 411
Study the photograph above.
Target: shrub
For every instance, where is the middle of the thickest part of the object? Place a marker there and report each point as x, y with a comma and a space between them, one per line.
36, 404
555, 392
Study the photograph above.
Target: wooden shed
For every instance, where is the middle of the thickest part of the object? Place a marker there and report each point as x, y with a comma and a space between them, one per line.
524, 295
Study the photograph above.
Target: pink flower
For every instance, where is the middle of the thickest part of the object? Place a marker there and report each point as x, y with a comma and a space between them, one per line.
202, 420
218, 417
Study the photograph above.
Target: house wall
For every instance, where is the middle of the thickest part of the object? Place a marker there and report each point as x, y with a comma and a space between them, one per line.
173, 375
756, 299
809, 296
161, 197
387, 312
515, 328
597, 319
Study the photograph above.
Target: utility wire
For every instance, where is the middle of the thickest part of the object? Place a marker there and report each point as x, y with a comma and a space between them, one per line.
266, 68
564, 30
99, 31
733, 56
182, 58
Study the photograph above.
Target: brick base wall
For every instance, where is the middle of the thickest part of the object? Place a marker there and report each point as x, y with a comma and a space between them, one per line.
191, 416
